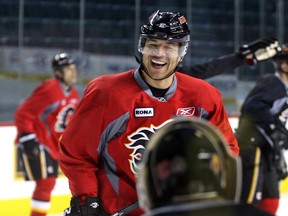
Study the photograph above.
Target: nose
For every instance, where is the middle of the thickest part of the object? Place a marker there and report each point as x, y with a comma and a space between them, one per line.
160, 51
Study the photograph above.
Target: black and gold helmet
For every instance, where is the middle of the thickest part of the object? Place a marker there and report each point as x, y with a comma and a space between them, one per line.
187, 160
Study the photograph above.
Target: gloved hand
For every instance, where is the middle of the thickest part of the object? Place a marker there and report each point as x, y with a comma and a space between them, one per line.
280, 139
259, 50
30, 145
91, 207
281, 166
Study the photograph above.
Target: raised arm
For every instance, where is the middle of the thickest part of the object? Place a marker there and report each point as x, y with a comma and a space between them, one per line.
257, 51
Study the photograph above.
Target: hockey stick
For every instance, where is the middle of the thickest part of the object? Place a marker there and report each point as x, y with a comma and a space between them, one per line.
126, 209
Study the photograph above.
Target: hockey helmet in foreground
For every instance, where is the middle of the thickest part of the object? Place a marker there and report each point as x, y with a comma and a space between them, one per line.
187, 160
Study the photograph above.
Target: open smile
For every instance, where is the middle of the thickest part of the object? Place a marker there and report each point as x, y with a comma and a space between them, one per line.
158, 64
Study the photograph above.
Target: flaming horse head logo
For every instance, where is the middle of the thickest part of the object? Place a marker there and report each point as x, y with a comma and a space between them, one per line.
138, 142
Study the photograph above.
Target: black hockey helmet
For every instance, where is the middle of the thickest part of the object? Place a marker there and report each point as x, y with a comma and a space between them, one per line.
187, 160
166, 26
60, 60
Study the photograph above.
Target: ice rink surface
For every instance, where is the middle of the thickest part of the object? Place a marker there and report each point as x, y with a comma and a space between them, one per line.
283, 208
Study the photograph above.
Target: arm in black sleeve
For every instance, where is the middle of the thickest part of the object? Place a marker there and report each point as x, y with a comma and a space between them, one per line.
256, 51
223, 64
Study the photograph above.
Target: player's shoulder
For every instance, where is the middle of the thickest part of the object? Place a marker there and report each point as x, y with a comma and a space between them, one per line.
269, 82
184, 78
269, 78
190, 82
111, 80
49, 83
47, 86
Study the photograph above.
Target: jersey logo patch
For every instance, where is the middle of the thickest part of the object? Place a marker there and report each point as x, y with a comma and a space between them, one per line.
143, 112
64, 117
138, 141
189, 111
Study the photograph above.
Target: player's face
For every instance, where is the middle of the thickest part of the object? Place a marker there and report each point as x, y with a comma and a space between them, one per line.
160, 57
70, 74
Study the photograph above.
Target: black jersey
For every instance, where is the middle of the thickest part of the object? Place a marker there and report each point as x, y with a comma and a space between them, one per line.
265, 110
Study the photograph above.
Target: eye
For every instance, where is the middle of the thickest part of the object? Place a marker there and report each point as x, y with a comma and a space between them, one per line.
153, 46
170, 48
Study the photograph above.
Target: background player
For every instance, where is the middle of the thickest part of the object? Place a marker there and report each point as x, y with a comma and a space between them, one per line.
40, 121
262, 133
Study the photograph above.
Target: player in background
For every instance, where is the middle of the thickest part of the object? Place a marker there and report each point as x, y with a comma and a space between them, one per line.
40, 122
119, 112
262, 133
188, 170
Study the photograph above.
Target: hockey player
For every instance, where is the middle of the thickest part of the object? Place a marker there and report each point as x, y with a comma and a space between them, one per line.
262, 133
188, 170
40, 121
103, 144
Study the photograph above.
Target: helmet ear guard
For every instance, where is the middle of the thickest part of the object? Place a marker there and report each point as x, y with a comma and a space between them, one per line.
187, 160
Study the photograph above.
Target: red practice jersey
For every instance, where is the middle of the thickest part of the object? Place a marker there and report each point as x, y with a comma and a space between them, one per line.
46, 113
103, 144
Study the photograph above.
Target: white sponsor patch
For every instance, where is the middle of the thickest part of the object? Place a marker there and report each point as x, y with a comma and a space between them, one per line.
144, 112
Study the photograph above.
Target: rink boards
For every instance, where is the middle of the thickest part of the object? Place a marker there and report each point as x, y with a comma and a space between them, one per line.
15, 192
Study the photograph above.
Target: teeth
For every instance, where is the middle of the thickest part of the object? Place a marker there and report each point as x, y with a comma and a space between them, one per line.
158, 62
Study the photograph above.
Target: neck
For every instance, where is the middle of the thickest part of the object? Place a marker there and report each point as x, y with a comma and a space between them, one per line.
65, 86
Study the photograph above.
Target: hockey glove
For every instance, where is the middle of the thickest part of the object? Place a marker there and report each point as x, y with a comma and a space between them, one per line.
91, 207
259, 50
281, 166
30, 145
280, 139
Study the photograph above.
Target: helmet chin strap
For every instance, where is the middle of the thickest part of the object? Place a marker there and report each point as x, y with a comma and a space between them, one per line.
143, 68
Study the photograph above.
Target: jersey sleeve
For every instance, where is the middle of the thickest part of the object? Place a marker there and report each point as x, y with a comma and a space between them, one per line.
28, 114
221, 65
79, 146
220, 119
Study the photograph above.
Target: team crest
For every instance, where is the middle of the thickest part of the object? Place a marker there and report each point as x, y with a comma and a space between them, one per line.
64, 117
138, 141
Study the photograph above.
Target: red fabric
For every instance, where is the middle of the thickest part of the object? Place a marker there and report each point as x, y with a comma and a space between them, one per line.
109, 105
46, 113
270, 205
33, 213
44, 188
42, 193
